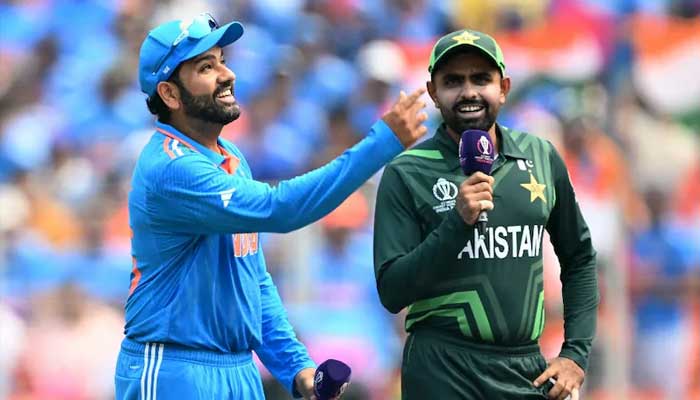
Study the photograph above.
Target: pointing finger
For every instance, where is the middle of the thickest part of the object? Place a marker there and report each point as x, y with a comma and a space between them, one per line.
402, 96
418, 105
414, 96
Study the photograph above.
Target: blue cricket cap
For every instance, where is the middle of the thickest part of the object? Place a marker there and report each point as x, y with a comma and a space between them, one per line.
174, 42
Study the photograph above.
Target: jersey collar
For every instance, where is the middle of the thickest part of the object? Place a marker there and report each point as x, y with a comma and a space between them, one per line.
169, 130
510, 148
450, 149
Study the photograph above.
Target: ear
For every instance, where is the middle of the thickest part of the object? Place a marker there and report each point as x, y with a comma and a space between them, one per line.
505, 89
432, 92
170, 94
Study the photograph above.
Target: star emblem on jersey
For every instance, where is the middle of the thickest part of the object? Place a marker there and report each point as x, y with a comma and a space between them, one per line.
465, 38
536, 189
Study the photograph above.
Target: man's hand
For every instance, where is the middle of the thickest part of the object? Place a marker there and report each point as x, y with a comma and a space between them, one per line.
568, 375
475, 195
406, 118
304, 382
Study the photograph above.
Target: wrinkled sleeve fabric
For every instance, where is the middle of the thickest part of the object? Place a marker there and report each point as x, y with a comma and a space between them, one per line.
192, 195
572, 243
281, 353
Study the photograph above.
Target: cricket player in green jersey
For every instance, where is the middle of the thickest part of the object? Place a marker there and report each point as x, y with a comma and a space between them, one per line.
475, 303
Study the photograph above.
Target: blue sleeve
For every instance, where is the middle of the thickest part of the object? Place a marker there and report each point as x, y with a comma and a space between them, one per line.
281, 353
192, 195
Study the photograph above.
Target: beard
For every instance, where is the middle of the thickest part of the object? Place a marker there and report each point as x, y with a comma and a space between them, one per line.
206, 108
459, 124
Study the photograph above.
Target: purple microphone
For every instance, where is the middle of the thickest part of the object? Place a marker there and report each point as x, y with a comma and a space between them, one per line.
476, 153
331, 379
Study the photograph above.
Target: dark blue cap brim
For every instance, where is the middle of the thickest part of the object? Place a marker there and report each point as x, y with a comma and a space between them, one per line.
223, 36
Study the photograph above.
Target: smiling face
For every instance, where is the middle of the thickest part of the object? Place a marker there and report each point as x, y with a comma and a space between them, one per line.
203, 89
469, 91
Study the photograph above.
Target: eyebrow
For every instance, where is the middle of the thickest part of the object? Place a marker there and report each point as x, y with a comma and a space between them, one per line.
207, 56
460, 75
453, 75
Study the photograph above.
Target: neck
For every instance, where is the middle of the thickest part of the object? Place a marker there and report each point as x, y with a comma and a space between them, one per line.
202, 132
492, 134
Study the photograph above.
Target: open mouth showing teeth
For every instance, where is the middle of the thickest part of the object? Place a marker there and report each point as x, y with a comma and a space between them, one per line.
225, 93
470, 108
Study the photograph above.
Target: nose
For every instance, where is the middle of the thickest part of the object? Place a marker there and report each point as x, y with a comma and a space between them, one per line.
227, 74
469, 91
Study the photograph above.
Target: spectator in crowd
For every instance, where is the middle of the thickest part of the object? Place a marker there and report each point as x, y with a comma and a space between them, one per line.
590, 68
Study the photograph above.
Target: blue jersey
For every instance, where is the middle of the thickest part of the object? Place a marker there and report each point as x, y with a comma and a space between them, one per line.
199, 277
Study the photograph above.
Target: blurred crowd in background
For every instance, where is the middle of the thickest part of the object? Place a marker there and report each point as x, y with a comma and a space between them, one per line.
614, 84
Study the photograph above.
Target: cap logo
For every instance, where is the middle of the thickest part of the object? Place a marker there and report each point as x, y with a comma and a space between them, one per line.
465, 38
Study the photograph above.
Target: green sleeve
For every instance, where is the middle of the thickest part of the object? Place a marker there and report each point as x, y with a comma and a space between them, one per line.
404, 264
571, 239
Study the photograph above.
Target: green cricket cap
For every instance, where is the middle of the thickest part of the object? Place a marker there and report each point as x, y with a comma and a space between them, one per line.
467, 37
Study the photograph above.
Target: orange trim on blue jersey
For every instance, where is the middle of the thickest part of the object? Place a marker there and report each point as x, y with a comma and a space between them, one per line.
166, 147
137, 276
173, 137
230, 163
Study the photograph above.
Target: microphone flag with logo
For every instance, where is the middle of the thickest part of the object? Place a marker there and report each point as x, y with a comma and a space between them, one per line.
331, 379
476, 153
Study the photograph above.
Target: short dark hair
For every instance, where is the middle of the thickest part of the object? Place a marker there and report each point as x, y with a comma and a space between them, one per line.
155, 103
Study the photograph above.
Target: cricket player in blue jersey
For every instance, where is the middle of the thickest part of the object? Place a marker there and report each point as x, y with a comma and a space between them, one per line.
201, 300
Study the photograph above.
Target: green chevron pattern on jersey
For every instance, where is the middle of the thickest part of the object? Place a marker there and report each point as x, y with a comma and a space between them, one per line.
437, 307
530, 302
432, 154
538, 326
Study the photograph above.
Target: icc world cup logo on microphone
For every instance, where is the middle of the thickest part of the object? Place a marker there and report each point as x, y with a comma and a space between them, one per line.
484, 152
484, 146
476, 151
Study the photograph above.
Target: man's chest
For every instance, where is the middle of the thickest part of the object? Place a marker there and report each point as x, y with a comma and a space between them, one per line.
523, 193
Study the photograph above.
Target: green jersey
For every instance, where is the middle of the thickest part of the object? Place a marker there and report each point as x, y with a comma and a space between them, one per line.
485, 289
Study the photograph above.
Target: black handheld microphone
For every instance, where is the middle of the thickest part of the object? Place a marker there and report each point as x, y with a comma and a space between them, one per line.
476, 153
331, 379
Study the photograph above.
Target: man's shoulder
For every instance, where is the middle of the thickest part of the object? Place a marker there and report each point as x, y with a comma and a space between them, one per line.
527, 141
165, 155
424, 152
